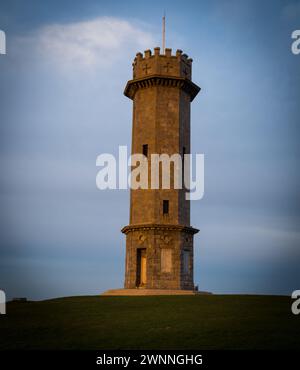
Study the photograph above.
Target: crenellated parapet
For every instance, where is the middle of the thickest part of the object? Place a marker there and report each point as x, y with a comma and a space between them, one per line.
178, 65
153, 69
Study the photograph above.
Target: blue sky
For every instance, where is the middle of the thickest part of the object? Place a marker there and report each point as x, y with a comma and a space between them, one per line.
62, 104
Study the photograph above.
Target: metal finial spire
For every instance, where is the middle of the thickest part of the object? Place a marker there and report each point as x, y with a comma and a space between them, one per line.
164, 32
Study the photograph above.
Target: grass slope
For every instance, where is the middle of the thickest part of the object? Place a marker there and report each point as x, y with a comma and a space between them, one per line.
162, 322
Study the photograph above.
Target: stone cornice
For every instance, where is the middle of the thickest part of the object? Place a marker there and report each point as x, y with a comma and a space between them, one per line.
159, 80
187, 229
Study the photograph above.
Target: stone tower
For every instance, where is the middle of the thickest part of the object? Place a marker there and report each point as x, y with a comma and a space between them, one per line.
159, 238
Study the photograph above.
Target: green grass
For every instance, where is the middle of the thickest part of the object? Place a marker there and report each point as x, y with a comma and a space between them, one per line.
162, 322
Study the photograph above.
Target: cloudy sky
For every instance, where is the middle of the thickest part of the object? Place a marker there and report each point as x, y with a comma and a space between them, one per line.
62, 104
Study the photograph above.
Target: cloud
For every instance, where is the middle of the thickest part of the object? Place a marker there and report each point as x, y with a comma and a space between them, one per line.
100, 42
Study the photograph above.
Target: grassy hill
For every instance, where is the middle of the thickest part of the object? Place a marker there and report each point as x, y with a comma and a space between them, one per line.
163, 322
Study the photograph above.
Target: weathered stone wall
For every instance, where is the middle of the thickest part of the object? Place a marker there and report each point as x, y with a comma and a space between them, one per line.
154, 240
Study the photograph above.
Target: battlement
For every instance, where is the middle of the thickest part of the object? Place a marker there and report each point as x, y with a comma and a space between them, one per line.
165, 64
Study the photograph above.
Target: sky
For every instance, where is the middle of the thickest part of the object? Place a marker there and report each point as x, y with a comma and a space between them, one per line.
62, 104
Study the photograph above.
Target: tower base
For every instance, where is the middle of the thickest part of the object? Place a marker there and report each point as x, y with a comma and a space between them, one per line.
150, 292
159, 257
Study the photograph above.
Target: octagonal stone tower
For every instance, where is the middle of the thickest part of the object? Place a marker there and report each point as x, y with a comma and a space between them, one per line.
159, 238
